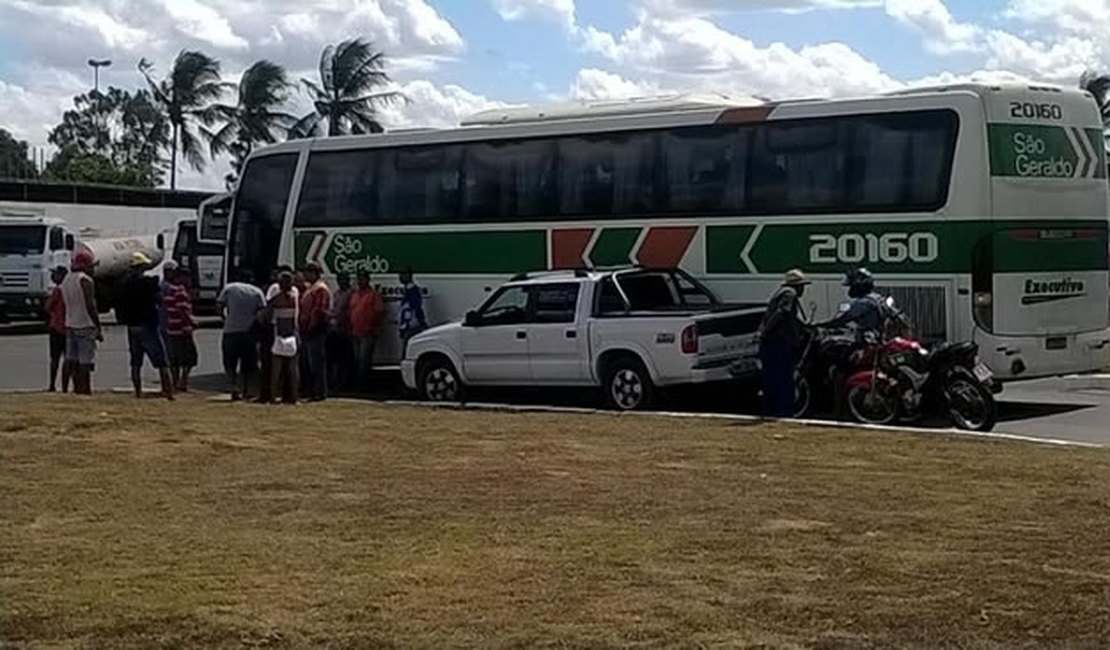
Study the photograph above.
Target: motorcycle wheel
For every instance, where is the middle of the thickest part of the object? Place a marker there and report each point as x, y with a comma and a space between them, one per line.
871, 406
803, 396
970, 404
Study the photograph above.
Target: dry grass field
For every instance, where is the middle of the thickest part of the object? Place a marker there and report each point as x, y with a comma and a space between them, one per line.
198, 524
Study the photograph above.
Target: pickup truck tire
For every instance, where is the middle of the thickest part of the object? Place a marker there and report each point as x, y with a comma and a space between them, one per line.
438, 381
627, 384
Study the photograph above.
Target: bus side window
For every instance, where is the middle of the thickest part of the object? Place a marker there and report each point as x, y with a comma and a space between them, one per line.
704, 168
607, 174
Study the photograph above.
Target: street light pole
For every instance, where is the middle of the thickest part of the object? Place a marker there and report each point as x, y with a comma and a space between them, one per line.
96, 65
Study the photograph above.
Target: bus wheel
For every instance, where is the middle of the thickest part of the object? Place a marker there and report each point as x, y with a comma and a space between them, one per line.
439, 382
628, 385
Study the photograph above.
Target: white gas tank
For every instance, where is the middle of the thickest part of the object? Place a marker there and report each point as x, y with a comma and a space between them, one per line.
112, 257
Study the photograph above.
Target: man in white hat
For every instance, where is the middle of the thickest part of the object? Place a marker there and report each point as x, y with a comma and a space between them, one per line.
778, 340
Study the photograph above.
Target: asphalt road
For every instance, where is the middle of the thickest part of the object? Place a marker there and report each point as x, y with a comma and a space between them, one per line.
1055, 408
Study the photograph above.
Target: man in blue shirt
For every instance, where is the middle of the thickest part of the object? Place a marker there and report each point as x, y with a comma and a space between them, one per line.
411, 319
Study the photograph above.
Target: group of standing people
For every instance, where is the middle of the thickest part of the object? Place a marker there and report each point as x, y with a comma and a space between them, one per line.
158, 316
303, 338
296, 338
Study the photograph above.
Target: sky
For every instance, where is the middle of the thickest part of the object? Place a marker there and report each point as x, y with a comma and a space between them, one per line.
451, 58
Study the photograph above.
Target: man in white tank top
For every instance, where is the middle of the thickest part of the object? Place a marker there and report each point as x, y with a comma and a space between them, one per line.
82, 322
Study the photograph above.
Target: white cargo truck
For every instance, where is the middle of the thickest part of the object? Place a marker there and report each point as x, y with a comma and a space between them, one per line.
32, 245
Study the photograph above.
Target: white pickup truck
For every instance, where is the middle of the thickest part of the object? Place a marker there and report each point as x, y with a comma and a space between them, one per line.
627, 331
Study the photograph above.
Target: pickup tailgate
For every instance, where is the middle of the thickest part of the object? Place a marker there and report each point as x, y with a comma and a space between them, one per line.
725, 336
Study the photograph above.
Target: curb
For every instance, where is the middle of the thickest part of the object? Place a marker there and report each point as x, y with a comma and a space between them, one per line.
1088, 382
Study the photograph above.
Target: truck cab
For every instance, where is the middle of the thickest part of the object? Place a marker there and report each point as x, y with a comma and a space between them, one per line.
30, 247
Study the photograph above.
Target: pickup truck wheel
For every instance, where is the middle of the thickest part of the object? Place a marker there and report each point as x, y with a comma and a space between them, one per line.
439, 382
628, 385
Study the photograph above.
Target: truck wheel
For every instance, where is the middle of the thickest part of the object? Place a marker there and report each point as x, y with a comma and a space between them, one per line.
628, 385
437, 381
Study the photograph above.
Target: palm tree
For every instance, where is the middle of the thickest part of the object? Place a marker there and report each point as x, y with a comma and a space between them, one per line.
347, 96
1099, 86
186, 96
255, 118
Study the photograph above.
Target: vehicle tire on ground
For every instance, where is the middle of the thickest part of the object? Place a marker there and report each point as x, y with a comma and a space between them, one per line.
627, 384
970, 405
871, 406
438, 381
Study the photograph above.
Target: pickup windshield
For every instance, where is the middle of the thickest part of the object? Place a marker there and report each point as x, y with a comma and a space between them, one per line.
653, 291
22, 240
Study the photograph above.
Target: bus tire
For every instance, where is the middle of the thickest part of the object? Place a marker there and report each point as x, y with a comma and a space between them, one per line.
627, 384
438, 381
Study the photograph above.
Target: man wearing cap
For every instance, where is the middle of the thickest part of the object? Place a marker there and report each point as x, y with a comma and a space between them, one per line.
139, 307
82, 321
778, 339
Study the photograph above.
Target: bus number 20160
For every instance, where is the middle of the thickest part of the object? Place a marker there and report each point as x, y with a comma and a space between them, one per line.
890, 248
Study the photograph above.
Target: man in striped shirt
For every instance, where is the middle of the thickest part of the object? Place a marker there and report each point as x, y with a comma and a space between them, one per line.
178, 308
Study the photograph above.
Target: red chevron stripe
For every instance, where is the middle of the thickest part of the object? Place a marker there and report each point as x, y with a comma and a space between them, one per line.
665, 246
568, 246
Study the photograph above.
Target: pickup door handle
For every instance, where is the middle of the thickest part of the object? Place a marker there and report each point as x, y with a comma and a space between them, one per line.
522, 334
572, 334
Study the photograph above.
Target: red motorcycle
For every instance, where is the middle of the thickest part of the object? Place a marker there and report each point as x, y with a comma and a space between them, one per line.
900, 379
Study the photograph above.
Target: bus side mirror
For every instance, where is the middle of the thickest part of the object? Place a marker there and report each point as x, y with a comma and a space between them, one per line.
160, 242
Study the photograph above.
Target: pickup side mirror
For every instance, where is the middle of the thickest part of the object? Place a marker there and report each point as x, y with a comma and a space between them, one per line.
472, 319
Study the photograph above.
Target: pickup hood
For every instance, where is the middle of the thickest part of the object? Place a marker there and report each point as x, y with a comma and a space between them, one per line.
446, 332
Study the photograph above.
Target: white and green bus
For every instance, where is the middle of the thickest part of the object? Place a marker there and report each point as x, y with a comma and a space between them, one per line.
981, 209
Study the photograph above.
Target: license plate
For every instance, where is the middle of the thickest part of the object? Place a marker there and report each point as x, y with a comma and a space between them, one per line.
983, 373
1056, 343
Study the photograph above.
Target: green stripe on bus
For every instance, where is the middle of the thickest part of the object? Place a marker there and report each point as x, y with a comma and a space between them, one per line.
1038, 151
905, 247
494, 252
614, 246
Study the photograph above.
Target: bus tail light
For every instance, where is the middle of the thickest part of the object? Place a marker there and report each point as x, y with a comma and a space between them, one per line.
983, 307
690, 339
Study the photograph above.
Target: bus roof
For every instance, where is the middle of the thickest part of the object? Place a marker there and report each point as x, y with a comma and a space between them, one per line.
609, 108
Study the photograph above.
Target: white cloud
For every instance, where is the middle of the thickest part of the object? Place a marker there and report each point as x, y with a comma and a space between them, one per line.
559, 11
591, 83
710, 7
684, 52
931, 18
434, 106
202, 22
1078, 17
1062, 62
111, 28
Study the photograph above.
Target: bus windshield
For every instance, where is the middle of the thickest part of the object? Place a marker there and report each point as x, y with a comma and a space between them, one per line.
22, 240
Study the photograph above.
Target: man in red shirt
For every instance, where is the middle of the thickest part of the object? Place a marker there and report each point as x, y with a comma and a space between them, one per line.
314, 318
364, 312
56, 311
181, 348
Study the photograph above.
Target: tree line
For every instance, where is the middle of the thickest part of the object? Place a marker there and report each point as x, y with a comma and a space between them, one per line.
136, 137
